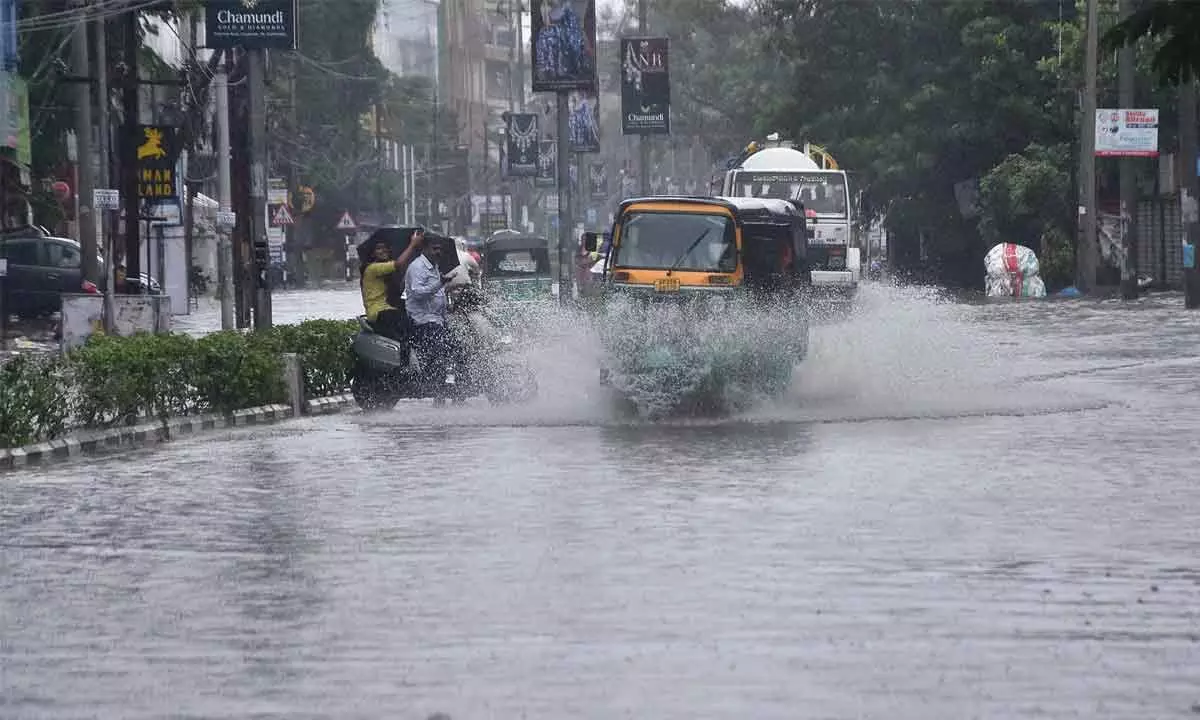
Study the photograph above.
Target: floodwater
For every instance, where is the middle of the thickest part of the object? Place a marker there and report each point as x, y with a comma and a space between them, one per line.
959, 511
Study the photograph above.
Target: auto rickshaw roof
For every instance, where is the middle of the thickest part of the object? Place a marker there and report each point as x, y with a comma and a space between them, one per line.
516, 242
747, 209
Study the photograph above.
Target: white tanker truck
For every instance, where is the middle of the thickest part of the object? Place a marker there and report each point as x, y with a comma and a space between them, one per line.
776, 169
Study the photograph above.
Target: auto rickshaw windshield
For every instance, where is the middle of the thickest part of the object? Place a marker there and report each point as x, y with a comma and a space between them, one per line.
700, 242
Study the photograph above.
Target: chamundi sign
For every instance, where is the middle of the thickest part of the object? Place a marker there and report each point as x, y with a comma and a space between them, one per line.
250, 24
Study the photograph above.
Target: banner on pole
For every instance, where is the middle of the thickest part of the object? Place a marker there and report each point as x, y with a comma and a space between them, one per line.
645, 87
598, 180
584, 122
522, 138
563, 45
547, 174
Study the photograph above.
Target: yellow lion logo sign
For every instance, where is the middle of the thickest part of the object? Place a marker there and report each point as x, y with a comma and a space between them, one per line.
153, 147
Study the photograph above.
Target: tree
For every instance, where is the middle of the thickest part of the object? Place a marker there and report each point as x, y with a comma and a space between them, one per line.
1027, 199
339, 82
909, 127
1175, 24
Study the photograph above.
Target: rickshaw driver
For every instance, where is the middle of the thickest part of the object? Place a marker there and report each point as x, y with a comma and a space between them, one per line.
387, 320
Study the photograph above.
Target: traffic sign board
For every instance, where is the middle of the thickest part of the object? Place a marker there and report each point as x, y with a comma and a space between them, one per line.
226, 219
347, 222
106, 199
282, 216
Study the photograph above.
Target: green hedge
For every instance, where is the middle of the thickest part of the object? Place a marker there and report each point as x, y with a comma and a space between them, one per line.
115, 380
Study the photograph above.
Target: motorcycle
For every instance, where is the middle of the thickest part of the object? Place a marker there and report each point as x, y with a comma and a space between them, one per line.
388, 370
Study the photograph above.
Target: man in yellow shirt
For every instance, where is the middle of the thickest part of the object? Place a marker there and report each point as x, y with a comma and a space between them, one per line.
387, 320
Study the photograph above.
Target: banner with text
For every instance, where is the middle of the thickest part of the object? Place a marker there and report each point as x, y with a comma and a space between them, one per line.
645, 87
522, 140
1127, 133
155, 156
263, 24
563, 45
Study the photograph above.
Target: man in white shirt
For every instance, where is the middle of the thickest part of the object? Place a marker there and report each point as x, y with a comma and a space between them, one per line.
425, 290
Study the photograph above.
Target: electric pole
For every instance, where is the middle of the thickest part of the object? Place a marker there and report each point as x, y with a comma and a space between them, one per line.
81, 69
564, 198
129, 144
1128, 168
1086, 257
643, 140
104, 151
1189, 190
256, 136
225, 198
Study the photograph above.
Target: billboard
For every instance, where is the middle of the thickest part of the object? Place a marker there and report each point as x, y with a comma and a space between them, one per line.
645, 87
563, 45
1126, 133
522, 138
584, 122
250, 24
155, 156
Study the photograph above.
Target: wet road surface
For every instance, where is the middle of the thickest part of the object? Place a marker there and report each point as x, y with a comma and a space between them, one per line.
958, 512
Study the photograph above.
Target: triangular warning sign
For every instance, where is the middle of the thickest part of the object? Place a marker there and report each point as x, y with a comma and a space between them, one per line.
282, 216
347, 222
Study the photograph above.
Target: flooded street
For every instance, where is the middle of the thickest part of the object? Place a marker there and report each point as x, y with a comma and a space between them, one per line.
959, 511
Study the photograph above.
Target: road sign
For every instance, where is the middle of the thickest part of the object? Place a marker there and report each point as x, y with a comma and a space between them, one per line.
282, 217
106, 199
226, 219
347, 222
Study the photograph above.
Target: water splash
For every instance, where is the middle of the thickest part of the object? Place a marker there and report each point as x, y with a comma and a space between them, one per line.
916, 352
902, 352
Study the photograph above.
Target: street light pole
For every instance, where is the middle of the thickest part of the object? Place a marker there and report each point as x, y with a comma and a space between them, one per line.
643, 140
1086, 257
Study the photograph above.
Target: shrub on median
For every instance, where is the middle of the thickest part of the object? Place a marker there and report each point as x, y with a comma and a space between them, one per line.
34, 404
114, 380
324, 350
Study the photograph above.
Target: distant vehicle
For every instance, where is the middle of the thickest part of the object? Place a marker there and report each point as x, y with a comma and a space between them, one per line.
42, 267
776, 169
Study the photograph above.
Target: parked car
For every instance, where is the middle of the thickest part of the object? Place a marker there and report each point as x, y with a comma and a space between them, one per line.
42, 267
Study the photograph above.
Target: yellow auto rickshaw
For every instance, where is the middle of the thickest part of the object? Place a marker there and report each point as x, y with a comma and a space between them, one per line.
700, 298
673, 246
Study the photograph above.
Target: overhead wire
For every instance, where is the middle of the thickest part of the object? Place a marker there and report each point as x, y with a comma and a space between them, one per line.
67, 18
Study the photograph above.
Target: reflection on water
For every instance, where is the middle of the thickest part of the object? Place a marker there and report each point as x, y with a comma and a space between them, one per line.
1018, 555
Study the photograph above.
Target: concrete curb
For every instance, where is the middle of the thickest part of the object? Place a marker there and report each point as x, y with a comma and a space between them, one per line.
329, 405
95, 442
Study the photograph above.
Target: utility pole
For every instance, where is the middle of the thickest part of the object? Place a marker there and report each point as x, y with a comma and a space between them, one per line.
1086, 258
1129, 195
564, 198
129, 144
1189, 190
225, 198
643, 140
100, 25
256, 135
81, 68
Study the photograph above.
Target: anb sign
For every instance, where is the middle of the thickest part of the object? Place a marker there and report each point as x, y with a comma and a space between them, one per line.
250, 24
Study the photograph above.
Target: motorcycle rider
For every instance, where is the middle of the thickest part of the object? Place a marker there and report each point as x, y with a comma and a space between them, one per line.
385, 318
425, 287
